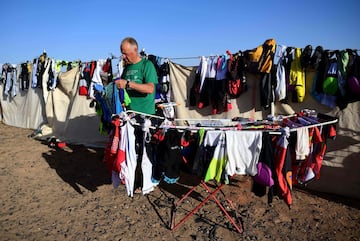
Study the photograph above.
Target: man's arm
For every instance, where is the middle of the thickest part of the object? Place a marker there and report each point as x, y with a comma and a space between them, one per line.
146, 88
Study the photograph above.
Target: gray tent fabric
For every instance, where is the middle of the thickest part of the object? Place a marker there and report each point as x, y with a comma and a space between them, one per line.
65, 115
25, 110
69, 115
341, 165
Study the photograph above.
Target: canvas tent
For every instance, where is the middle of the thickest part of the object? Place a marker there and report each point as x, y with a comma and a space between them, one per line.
67, 115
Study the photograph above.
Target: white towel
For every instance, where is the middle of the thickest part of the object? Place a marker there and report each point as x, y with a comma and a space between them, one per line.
243, 150
146, 168
302, 148
127, 172
212, 138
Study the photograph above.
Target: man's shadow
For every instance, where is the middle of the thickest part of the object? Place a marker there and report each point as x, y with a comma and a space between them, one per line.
79, 166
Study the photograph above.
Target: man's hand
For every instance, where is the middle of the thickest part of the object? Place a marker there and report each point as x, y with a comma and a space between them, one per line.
121, 83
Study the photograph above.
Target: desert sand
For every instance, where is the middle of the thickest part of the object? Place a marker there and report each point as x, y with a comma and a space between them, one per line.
66, 194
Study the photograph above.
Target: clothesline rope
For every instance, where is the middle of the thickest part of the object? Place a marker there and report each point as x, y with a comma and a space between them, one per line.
112, 56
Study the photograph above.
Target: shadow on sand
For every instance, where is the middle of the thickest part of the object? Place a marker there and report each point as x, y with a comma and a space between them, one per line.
79, 166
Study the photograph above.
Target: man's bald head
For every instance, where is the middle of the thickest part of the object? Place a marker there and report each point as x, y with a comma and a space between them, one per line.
129, 50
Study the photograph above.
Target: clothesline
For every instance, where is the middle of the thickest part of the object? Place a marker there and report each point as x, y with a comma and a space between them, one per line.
112, 56
208, 56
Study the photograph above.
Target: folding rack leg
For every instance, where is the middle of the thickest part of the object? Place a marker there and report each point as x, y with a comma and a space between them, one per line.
239, 229
174, 226
174, 208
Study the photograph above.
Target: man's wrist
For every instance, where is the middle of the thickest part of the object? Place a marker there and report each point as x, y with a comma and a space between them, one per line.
127, 86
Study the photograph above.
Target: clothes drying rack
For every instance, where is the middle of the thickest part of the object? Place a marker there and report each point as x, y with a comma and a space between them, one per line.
212, 192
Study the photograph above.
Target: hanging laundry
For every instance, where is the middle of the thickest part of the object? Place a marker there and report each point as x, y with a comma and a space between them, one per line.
305, 171
328, 92
211, 82
40, 70
297, 77
106, 73
120, 155
3, 75
52, 81
218, 161
316, 57
236, 74
202, 70
96, 79
24, 77
266, 89
322, 70
164, 82
224, 78
302, 143
265, 169
9, 72
87, 75
342, 64
243, 150
198, 81
162, 93
280, 90
47, 78
305, 56
120, 68
267, 56
83, 88
169, 157
146, 157
310, 168
204, 152
110, 101
128, 167
204, 83
283, 166
260, 59
353, 79
330, 84
220, 95
34, 77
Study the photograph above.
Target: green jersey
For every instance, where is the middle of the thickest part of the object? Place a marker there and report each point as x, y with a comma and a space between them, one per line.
141, 73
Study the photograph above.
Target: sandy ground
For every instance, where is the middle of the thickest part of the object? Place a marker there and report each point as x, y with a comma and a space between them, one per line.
50, 194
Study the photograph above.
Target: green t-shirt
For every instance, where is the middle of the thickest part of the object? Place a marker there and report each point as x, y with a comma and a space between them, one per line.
141, 72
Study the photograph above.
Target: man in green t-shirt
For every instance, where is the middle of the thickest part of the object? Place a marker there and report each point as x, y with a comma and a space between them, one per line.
139, 78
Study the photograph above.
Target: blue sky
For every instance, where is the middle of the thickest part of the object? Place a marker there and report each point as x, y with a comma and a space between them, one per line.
86, 30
